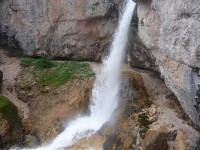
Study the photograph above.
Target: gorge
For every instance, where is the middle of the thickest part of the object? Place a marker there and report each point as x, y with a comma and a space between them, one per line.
163, 42
105, 94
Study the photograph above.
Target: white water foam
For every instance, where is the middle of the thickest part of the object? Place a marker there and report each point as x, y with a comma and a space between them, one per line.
105, 94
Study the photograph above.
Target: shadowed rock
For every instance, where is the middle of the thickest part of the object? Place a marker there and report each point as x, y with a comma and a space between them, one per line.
1, 80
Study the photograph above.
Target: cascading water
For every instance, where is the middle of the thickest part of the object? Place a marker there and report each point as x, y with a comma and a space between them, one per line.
105, 94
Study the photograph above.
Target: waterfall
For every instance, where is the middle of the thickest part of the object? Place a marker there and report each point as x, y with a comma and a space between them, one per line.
105, 94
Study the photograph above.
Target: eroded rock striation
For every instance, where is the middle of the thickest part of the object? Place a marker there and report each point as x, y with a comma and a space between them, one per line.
167, 40
72, 29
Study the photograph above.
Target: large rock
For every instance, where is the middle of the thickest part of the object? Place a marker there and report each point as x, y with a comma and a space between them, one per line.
78, 29
165, 137
169, 31
11, 131
157, 139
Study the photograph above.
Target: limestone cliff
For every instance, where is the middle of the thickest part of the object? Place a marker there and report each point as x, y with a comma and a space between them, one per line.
167, 40
166, 36
73, 29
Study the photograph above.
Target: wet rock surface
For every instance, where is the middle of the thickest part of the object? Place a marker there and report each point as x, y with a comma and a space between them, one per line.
120, 132
145, 120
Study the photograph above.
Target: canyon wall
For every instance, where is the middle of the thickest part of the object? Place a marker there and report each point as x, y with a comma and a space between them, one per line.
165, 36
167, 39
68, 29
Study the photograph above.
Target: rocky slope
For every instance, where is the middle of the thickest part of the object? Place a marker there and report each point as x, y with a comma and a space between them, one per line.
78, 29
147, 115
167, 40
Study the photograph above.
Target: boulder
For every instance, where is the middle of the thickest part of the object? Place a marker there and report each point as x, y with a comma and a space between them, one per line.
11, 131
157, 139
180, 142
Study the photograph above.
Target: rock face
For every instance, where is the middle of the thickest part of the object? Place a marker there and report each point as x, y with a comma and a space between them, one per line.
167, 40
72, 29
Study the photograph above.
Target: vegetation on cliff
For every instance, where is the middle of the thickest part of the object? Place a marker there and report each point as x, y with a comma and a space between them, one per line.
9, 110
57, 73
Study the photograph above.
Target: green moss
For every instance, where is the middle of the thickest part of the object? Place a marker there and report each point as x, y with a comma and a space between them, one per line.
143, 119
9, 110
57, 73
44, 62
27, 62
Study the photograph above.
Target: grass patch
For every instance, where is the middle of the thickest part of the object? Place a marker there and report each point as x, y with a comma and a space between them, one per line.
9, 110
55, 73
42, 63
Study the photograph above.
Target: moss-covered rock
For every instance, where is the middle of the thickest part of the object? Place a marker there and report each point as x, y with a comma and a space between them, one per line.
11, 132
9, 110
